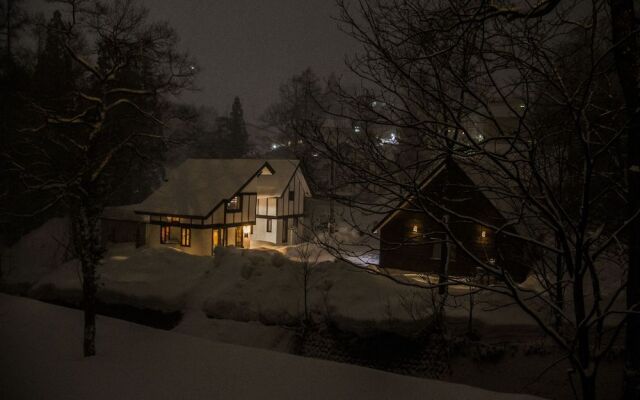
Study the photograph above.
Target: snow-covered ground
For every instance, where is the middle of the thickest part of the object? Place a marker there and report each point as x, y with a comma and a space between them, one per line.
153, 278
263, 285
255, 298
40, 346
266, 286
36, 254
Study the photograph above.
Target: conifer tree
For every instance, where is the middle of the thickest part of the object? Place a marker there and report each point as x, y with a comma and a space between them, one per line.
238, 139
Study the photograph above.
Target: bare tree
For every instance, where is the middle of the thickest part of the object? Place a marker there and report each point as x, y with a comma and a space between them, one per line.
494, 97
126, 63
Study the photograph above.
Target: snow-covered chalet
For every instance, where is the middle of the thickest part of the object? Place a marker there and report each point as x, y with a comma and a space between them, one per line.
205, 203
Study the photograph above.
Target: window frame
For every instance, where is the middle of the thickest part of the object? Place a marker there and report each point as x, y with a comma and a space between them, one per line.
185, 237
165, 233
292, 195
238, 207
269, 227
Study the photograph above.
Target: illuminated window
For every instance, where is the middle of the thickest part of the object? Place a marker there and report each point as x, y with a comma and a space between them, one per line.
185, 237
174, 219
164, 234
414, 229
269, 224
234, 204
169, 234
483, 234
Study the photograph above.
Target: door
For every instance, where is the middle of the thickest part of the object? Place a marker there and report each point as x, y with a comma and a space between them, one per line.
216, 238
285, 229
238, 236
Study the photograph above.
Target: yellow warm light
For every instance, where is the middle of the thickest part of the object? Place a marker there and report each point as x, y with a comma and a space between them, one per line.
246, 229
483, 234
415, 229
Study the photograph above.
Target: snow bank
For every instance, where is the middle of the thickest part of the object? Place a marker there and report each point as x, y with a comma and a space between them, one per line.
154, 278
35, 255
136, 362
253, 285
265, 286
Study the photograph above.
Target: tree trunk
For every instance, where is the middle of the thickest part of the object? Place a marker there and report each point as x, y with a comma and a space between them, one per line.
559, 288
89, 251
624, 29
588, 386
444, 261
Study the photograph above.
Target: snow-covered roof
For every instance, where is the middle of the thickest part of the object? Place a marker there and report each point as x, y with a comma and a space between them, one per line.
490, 181
123, 213
274, 185
197, 186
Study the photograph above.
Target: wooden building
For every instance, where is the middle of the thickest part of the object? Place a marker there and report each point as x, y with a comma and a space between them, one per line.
413, 240
206, 203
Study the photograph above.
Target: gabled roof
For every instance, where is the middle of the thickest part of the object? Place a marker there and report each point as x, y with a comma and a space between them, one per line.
198, 186
488, 180
275, 184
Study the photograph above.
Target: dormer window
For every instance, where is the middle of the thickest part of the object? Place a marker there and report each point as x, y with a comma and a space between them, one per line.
234, 204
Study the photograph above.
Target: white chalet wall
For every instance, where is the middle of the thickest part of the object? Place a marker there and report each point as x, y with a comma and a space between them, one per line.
260, 231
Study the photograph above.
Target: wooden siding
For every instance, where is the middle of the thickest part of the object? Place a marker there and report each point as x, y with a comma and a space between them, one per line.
404, 249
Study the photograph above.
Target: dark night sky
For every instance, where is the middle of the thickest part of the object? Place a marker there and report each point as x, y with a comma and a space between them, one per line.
249, 47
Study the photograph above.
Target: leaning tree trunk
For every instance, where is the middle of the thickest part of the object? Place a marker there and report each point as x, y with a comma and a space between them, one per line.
625, 35
89, 251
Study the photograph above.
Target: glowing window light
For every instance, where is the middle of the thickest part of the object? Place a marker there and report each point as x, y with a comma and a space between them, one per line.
483, 234
414, 229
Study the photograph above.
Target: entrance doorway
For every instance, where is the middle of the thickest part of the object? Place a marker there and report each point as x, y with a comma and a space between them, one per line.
216, 238
239, 236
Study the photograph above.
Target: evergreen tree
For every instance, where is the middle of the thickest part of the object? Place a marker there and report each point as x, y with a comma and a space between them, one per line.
53, 74
238, 139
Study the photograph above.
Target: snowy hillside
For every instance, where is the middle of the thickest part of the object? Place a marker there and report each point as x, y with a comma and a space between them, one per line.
40, 346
